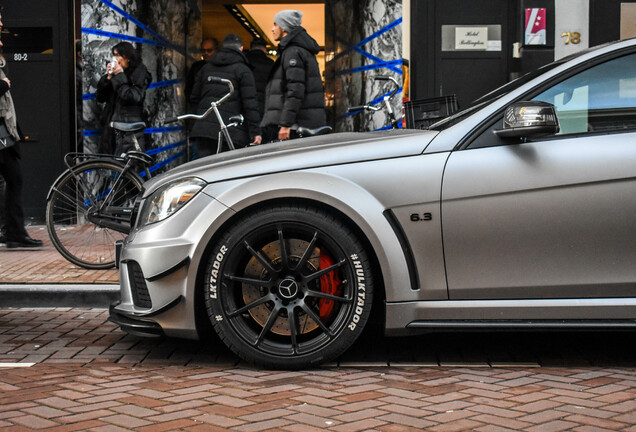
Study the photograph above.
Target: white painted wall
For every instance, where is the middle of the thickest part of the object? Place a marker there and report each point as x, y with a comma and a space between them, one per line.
573, 17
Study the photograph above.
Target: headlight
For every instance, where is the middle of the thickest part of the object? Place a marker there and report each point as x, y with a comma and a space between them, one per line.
168, 199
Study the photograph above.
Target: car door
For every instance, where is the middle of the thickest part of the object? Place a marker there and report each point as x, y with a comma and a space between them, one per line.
555, 217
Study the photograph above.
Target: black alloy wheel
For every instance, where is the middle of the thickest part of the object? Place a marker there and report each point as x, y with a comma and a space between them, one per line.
289, 287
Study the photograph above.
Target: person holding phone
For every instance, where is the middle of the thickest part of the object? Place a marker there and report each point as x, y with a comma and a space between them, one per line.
123, 90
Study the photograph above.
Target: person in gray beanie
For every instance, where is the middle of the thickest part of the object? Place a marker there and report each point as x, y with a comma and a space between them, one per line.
288, 19
294, 95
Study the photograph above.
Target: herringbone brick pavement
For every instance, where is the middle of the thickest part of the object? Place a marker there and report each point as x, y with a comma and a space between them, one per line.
46, 266
89, 376
114, 397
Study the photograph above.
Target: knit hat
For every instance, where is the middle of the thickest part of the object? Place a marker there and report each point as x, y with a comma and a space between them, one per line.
288, 19
232, 40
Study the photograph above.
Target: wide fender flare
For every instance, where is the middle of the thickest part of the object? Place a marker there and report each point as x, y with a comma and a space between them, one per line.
356, 203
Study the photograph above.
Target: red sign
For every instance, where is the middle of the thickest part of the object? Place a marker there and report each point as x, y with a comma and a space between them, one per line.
535, 26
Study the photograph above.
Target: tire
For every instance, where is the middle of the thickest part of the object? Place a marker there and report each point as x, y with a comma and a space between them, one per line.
280, 306
74, 199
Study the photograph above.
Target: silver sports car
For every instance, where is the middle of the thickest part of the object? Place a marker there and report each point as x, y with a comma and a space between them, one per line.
518, 212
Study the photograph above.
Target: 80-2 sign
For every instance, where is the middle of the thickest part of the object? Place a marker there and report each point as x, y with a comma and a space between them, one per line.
20, 57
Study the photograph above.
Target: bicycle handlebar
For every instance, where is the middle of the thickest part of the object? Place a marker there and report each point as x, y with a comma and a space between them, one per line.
228, 83
388, 78
363, 107
213, 105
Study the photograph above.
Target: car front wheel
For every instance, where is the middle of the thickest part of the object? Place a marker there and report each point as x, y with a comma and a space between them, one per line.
289, 287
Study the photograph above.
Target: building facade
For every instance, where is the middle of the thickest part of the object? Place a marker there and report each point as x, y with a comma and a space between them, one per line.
56, 50
469, 48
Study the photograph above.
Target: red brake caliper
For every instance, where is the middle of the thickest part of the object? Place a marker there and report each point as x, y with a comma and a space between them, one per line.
329, 284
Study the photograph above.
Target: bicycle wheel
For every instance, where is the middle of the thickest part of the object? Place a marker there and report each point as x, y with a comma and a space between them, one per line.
88, 209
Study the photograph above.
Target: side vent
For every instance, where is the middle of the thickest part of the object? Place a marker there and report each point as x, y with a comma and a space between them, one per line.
140, 294
406, 248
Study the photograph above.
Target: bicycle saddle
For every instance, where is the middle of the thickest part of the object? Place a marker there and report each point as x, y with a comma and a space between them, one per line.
306, 132
128, 127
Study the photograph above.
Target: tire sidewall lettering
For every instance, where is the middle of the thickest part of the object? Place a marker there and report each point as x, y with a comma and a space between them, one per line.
215, 272
360, 279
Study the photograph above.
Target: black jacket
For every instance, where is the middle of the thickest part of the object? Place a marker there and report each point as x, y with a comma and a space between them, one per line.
262, 68
230, 64
295, 94
192, 73
124, 95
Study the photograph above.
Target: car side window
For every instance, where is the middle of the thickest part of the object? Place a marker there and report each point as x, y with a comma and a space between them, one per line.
601, 98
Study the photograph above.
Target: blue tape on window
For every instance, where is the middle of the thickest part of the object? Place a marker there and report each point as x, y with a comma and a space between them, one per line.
381, 98
91, 96
165, 148
164, 41
387, 127
368, 39
371, 67
373, 102
165, 162
89, 132
135, 20
122, 37
377, 60
164, 83
163, 129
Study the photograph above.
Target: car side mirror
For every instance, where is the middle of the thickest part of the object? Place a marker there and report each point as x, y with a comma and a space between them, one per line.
529, 119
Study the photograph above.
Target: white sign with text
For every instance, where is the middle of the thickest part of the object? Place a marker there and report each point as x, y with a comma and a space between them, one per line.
471, 38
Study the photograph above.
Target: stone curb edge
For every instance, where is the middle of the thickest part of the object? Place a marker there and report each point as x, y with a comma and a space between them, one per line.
39, 295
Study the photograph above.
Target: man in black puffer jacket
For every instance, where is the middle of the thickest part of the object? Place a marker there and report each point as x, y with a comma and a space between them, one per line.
257, 56
295, 95
230, 63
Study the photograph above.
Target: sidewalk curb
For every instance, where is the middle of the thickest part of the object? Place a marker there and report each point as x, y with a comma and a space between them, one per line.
39, 295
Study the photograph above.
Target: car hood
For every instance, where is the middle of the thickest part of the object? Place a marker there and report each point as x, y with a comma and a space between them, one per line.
325, 150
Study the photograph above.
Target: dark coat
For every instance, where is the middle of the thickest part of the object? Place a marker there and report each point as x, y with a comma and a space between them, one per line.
4, 87
230, 64
262, 68
295, 94
124, 96
192, 73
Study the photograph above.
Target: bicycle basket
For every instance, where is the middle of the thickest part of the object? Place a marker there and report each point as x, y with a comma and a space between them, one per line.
420, 114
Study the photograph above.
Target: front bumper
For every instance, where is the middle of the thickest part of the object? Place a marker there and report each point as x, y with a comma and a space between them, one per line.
134, 325
158, 271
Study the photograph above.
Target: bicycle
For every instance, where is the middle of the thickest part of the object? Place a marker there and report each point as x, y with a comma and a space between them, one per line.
386, 102
90, 204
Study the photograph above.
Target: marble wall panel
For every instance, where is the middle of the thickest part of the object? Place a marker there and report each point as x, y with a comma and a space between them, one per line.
172, 33
349, 22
